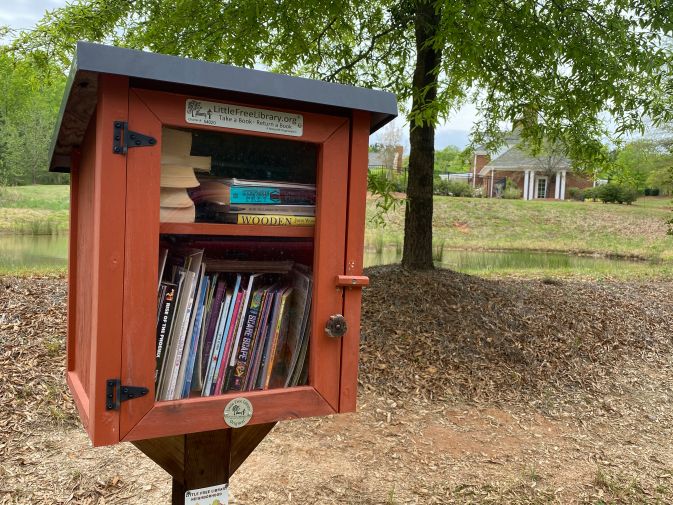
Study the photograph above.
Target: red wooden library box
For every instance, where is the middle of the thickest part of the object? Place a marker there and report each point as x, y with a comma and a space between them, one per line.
187, 178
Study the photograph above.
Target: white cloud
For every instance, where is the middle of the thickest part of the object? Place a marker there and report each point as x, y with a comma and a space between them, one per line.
23, 14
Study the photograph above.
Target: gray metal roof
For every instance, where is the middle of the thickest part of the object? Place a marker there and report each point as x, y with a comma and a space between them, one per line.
516, 159
184, 75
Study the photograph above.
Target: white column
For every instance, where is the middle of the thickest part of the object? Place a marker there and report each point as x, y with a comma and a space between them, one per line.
474, 171
563, 185
531, 184
557, 186
492, 182
525, 185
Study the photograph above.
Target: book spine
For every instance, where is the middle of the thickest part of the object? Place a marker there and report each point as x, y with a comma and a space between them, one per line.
191, 357
223, 364
271, 195
164, 327
212, 325
274, 220
243, 355
170, 393
217, 342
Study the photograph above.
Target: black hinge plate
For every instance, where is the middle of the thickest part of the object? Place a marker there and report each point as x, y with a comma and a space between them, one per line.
123, 138
116, 393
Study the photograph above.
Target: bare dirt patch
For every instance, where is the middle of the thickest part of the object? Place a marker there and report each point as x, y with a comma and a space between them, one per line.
472, 391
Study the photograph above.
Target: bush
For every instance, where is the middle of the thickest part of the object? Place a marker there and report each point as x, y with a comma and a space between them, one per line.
511, 193
628, 195
617, 193
591, 193
651, 192
577, 194
452, 188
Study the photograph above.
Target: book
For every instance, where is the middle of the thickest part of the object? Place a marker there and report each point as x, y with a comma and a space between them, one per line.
215, 309
245, 191
183, 354
223, 364
277, 371
168, 369
297, 326
186, 379
259, 339
164, 324
242, 356
217, 343
270, 340
290, 210
198, 372
192, 261
269, 219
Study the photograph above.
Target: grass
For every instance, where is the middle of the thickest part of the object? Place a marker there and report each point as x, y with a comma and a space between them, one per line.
633, 231
34, 210
54, 197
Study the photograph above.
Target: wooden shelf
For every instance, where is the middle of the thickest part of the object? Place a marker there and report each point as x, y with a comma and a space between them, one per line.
236, 230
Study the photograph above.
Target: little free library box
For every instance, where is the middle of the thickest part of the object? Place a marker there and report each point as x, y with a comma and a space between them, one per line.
216, 241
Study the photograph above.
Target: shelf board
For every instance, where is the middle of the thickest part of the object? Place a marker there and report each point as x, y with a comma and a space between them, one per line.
236, 230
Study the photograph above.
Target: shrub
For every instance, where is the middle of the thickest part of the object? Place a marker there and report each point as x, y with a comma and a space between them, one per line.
452, 188
628, 195
651, 192
591, 193
617, 193
577, 194
511, 193
609, 193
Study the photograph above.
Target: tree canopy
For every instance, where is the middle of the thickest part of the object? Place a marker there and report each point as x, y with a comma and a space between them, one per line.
561, 65
28, 107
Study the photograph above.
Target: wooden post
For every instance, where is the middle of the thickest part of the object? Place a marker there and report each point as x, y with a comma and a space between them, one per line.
206, 462
204, 459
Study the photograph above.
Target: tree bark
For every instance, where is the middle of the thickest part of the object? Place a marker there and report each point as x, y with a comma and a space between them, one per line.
417, 253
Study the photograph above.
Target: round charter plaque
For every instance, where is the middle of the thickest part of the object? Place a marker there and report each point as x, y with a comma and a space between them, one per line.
238, 412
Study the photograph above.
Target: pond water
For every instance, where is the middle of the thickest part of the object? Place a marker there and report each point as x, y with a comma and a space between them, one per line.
45, 251
33, 251
502, 261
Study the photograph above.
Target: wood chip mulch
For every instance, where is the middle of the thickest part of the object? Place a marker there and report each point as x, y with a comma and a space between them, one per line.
472, 391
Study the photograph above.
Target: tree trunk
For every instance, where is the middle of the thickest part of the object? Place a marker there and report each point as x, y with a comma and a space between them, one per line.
418, 216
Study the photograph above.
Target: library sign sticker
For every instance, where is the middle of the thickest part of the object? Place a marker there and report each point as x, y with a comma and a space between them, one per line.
213, 495
243, 118
238, 412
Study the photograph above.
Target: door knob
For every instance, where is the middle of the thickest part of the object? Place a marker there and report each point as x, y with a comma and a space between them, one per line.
336, 326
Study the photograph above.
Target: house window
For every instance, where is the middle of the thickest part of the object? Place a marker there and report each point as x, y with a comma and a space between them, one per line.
541, 187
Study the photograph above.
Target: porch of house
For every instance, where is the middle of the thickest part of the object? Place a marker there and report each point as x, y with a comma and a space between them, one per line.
533, 184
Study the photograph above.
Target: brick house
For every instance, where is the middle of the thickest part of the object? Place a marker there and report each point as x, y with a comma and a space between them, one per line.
546, 175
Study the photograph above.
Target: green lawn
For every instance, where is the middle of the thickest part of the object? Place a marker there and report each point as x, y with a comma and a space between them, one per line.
636, 231
35, 197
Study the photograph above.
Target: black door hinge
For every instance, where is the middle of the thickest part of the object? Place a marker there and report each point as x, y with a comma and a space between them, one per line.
123, 138
116, 393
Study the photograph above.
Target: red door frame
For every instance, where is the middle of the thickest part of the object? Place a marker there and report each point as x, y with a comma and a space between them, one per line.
141, 418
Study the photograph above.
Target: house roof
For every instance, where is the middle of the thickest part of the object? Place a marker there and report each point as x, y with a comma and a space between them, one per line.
516, 159
188, 76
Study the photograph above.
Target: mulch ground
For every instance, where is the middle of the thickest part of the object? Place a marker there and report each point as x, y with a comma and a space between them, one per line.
472, 391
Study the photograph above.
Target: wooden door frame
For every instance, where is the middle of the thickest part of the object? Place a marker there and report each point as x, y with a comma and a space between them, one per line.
143, 418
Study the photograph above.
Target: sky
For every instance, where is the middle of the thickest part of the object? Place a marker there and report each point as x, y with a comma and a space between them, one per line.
23, 14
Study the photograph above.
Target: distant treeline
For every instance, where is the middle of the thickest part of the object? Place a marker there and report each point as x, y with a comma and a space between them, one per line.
29, 103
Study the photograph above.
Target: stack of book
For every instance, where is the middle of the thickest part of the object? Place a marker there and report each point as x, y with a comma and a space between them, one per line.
230, 325
244, 201
177, 174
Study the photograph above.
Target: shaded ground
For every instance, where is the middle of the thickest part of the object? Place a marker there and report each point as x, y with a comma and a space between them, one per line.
472, 391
